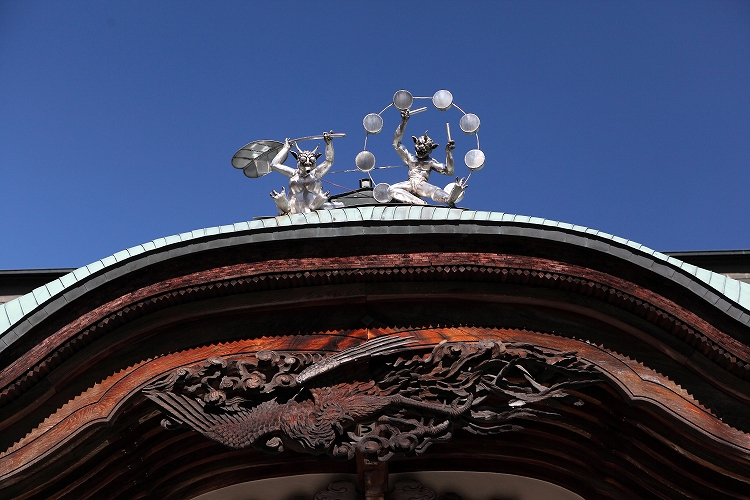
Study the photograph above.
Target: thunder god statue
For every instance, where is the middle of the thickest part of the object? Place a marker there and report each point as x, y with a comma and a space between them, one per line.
420, 164
420, 167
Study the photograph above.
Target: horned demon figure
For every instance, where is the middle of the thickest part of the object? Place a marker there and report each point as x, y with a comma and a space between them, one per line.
305, 187
420, 167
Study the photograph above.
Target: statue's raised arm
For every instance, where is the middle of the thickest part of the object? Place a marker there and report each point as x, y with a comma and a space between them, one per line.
277, 164
449, 168
401, 150
324, 167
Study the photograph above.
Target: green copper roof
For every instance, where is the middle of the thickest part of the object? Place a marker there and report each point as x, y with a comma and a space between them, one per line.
18, 315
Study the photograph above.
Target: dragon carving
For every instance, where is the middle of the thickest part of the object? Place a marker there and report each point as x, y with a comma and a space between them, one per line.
374, 397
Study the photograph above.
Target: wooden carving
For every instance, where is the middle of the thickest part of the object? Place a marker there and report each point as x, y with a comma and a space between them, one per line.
407, 489
410, 489
340, 490
371, 398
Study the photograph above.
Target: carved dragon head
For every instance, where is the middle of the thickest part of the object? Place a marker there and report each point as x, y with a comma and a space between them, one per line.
423, 146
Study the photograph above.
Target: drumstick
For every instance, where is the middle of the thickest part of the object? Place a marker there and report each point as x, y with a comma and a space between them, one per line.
448, 129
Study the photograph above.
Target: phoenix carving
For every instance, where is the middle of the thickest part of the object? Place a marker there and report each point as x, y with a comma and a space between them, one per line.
382, 397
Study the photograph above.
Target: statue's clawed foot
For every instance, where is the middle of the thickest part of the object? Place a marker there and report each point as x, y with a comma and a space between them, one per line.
458, 190
281, 200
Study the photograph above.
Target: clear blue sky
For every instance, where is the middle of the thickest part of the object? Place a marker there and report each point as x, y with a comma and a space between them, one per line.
118, 120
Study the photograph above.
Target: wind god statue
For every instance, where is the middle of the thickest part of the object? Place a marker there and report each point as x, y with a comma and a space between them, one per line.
305, 192
305, 187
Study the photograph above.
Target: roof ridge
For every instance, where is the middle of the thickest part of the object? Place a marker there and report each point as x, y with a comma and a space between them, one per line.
15, 312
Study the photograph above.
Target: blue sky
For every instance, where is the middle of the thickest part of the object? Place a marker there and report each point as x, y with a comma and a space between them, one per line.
118, 120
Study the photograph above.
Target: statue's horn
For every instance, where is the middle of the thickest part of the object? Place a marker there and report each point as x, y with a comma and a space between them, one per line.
316, 149
297, 146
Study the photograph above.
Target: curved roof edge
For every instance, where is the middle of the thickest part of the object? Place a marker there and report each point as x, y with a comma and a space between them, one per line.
25, 309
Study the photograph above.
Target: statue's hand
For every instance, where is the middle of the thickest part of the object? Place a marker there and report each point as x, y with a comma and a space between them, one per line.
461, 183
287, 143
405, 114
275, 194
450, 146
327, 137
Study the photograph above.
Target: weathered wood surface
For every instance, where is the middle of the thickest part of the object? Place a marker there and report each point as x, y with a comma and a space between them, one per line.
407, 489
671, 419
655, 405
380, 399
724, 349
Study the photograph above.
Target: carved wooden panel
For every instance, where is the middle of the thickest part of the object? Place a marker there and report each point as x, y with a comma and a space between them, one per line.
340, 490
302, 401
639, 416
670, 416
407, 489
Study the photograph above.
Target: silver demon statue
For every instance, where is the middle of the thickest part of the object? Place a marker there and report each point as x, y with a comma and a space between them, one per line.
305, 188
420, 167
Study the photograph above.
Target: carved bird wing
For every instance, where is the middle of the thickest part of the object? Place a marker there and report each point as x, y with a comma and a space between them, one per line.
380, 346
188, 412
236, 429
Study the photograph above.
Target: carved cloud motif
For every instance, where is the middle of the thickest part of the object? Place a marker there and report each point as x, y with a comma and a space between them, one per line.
382, 397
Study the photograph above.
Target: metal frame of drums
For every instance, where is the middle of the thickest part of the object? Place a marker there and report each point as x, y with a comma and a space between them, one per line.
402, 100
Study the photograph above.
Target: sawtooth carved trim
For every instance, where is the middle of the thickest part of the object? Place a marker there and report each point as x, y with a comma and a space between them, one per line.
98, 404
721, 348
641, 386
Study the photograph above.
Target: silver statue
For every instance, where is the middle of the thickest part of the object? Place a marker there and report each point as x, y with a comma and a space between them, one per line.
420, 167
305, 187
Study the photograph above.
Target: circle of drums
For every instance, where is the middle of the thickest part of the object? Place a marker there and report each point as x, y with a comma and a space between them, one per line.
403, 100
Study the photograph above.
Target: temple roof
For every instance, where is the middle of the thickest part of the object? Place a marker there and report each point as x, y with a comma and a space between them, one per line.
17, 316
90, 359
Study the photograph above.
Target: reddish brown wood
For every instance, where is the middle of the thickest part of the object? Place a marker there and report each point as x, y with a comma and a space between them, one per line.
372, 477
618, 291
644, 387
657, 428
